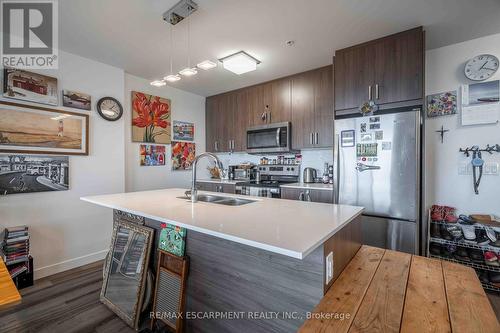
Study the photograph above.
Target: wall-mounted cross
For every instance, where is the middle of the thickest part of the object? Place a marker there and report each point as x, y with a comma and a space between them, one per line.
442, 131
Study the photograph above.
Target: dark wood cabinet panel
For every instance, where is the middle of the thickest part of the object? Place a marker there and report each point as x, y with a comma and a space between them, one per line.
215, 187
323, 107
240, 121
211, 108
323, 196
302, 110
256, 106
387, 70
290, 193
304, 194
279, 101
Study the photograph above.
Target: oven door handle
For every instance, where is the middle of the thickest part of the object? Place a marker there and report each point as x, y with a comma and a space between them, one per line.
278, 136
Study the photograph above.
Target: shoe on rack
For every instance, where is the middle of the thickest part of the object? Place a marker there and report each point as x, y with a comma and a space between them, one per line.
476, 256
435, 248
490, 233
464, 219
483, 276
435, 230
448, 250
445, 234
455, 231
481, 238
491, 259
469, 232
497, 242
494, 277
449, 214
437, 213
461, 254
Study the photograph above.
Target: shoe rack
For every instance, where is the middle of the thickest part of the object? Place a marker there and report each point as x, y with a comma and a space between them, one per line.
476, 266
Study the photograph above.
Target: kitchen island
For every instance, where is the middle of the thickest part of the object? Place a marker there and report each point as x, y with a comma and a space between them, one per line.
264, 260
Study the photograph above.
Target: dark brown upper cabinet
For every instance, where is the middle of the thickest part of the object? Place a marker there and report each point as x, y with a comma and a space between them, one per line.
312, 109
387, 70
269, 102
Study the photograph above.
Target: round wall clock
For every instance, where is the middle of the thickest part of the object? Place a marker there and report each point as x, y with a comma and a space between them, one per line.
481, 67
109, 108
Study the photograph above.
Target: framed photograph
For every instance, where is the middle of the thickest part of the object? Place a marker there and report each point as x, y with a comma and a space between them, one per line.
28, 86
73, 99
152, 155
183, 131
33, 173
183, 154
37, 130
150, 118
482, 93
442, 104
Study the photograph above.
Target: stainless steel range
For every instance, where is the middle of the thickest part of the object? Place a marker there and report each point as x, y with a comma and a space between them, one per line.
271, 177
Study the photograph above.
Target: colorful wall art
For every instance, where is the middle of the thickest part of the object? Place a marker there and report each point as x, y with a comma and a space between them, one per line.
30, 129
73, 99
33, 173
150, 118
442, 104
183, 154
152, 155
183, 131
27, 86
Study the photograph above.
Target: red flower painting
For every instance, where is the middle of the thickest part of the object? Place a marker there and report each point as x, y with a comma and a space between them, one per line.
150, 118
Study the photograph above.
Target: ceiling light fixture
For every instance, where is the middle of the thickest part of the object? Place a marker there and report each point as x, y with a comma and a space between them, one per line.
189, 71
239, 62
206, 65
158, 83
172, 78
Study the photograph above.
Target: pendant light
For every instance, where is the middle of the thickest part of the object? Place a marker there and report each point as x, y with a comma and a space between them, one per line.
172, 77
188, 71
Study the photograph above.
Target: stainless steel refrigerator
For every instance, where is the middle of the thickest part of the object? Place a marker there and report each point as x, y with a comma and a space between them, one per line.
377, 165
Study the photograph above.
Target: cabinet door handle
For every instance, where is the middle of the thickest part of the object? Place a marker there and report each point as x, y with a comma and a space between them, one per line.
308, 196
216, 146
376, 92
301, 196
311, 135
269, 118
263, 116
317, 138
370, 93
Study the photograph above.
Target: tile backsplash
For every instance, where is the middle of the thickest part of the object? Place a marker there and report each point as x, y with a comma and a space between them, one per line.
313, 158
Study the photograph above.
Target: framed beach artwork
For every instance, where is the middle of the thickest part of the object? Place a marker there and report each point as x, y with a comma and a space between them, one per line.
183, 154
150, 118
183, 131
37, 130
152, 155
442, 104
33, 173
28, 86
77, 100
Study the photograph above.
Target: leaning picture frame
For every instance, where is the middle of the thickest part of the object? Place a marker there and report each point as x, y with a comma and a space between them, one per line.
31, 129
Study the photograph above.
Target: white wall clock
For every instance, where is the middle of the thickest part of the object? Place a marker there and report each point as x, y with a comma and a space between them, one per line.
481, 67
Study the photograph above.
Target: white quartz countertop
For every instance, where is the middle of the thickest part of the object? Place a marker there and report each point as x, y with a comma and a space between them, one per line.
288, 227
312, 186
219, 181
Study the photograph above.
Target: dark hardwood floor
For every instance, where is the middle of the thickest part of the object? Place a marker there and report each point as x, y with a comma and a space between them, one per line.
65, 302
69, 302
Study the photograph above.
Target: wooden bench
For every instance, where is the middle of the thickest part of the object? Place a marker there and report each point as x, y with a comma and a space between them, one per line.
8, 291
387, 291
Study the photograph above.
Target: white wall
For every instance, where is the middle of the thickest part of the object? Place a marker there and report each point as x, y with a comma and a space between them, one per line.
185, 107
66, 232
444, 72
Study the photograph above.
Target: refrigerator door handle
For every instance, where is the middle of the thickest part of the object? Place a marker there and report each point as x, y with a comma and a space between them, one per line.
363, 167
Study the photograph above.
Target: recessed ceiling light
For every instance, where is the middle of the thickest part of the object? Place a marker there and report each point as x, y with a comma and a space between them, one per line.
158, 83
188, 71
206, 65
240, 63
172, 78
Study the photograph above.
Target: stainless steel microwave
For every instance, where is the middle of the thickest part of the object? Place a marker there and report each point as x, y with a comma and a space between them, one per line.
270, 138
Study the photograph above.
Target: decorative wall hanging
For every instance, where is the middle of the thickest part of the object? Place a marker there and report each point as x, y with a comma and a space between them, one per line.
172, 239
28, 86
183, 155
77, 100
183, 131
442, 104
442, 132
150, 118
37, 130
480, 103
368, 108
478, 162
152, 155
33, 173
109, 108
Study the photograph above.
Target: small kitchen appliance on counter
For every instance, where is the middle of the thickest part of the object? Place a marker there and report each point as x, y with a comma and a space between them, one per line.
309, 175
271, 177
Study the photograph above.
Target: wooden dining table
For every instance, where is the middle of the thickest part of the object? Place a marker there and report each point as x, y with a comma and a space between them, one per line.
9, 295
388, 291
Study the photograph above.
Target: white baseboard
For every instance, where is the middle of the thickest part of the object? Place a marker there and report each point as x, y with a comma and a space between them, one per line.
69, 264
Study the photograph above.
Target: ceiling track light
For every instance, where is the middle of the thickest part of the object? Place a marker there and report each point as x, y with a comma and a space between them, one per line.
158, 83
188, 71
206, 65
239, 62
172, 78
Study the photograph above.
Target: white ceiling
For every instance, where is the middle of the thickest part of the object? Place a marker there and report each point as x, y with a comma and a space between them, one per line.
131, 34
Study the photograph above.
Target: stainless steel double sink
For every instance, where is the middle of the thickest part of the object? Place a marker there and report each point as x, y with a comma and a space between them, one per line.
220, 200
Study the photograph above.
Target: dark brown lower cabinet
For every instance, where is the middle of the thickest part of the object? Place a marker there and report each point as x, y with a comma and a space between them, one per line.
215, 187
305, 194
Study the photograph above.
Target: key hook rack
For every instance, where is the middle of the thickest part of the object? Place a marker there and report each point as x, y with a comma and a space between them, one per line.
489, 149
